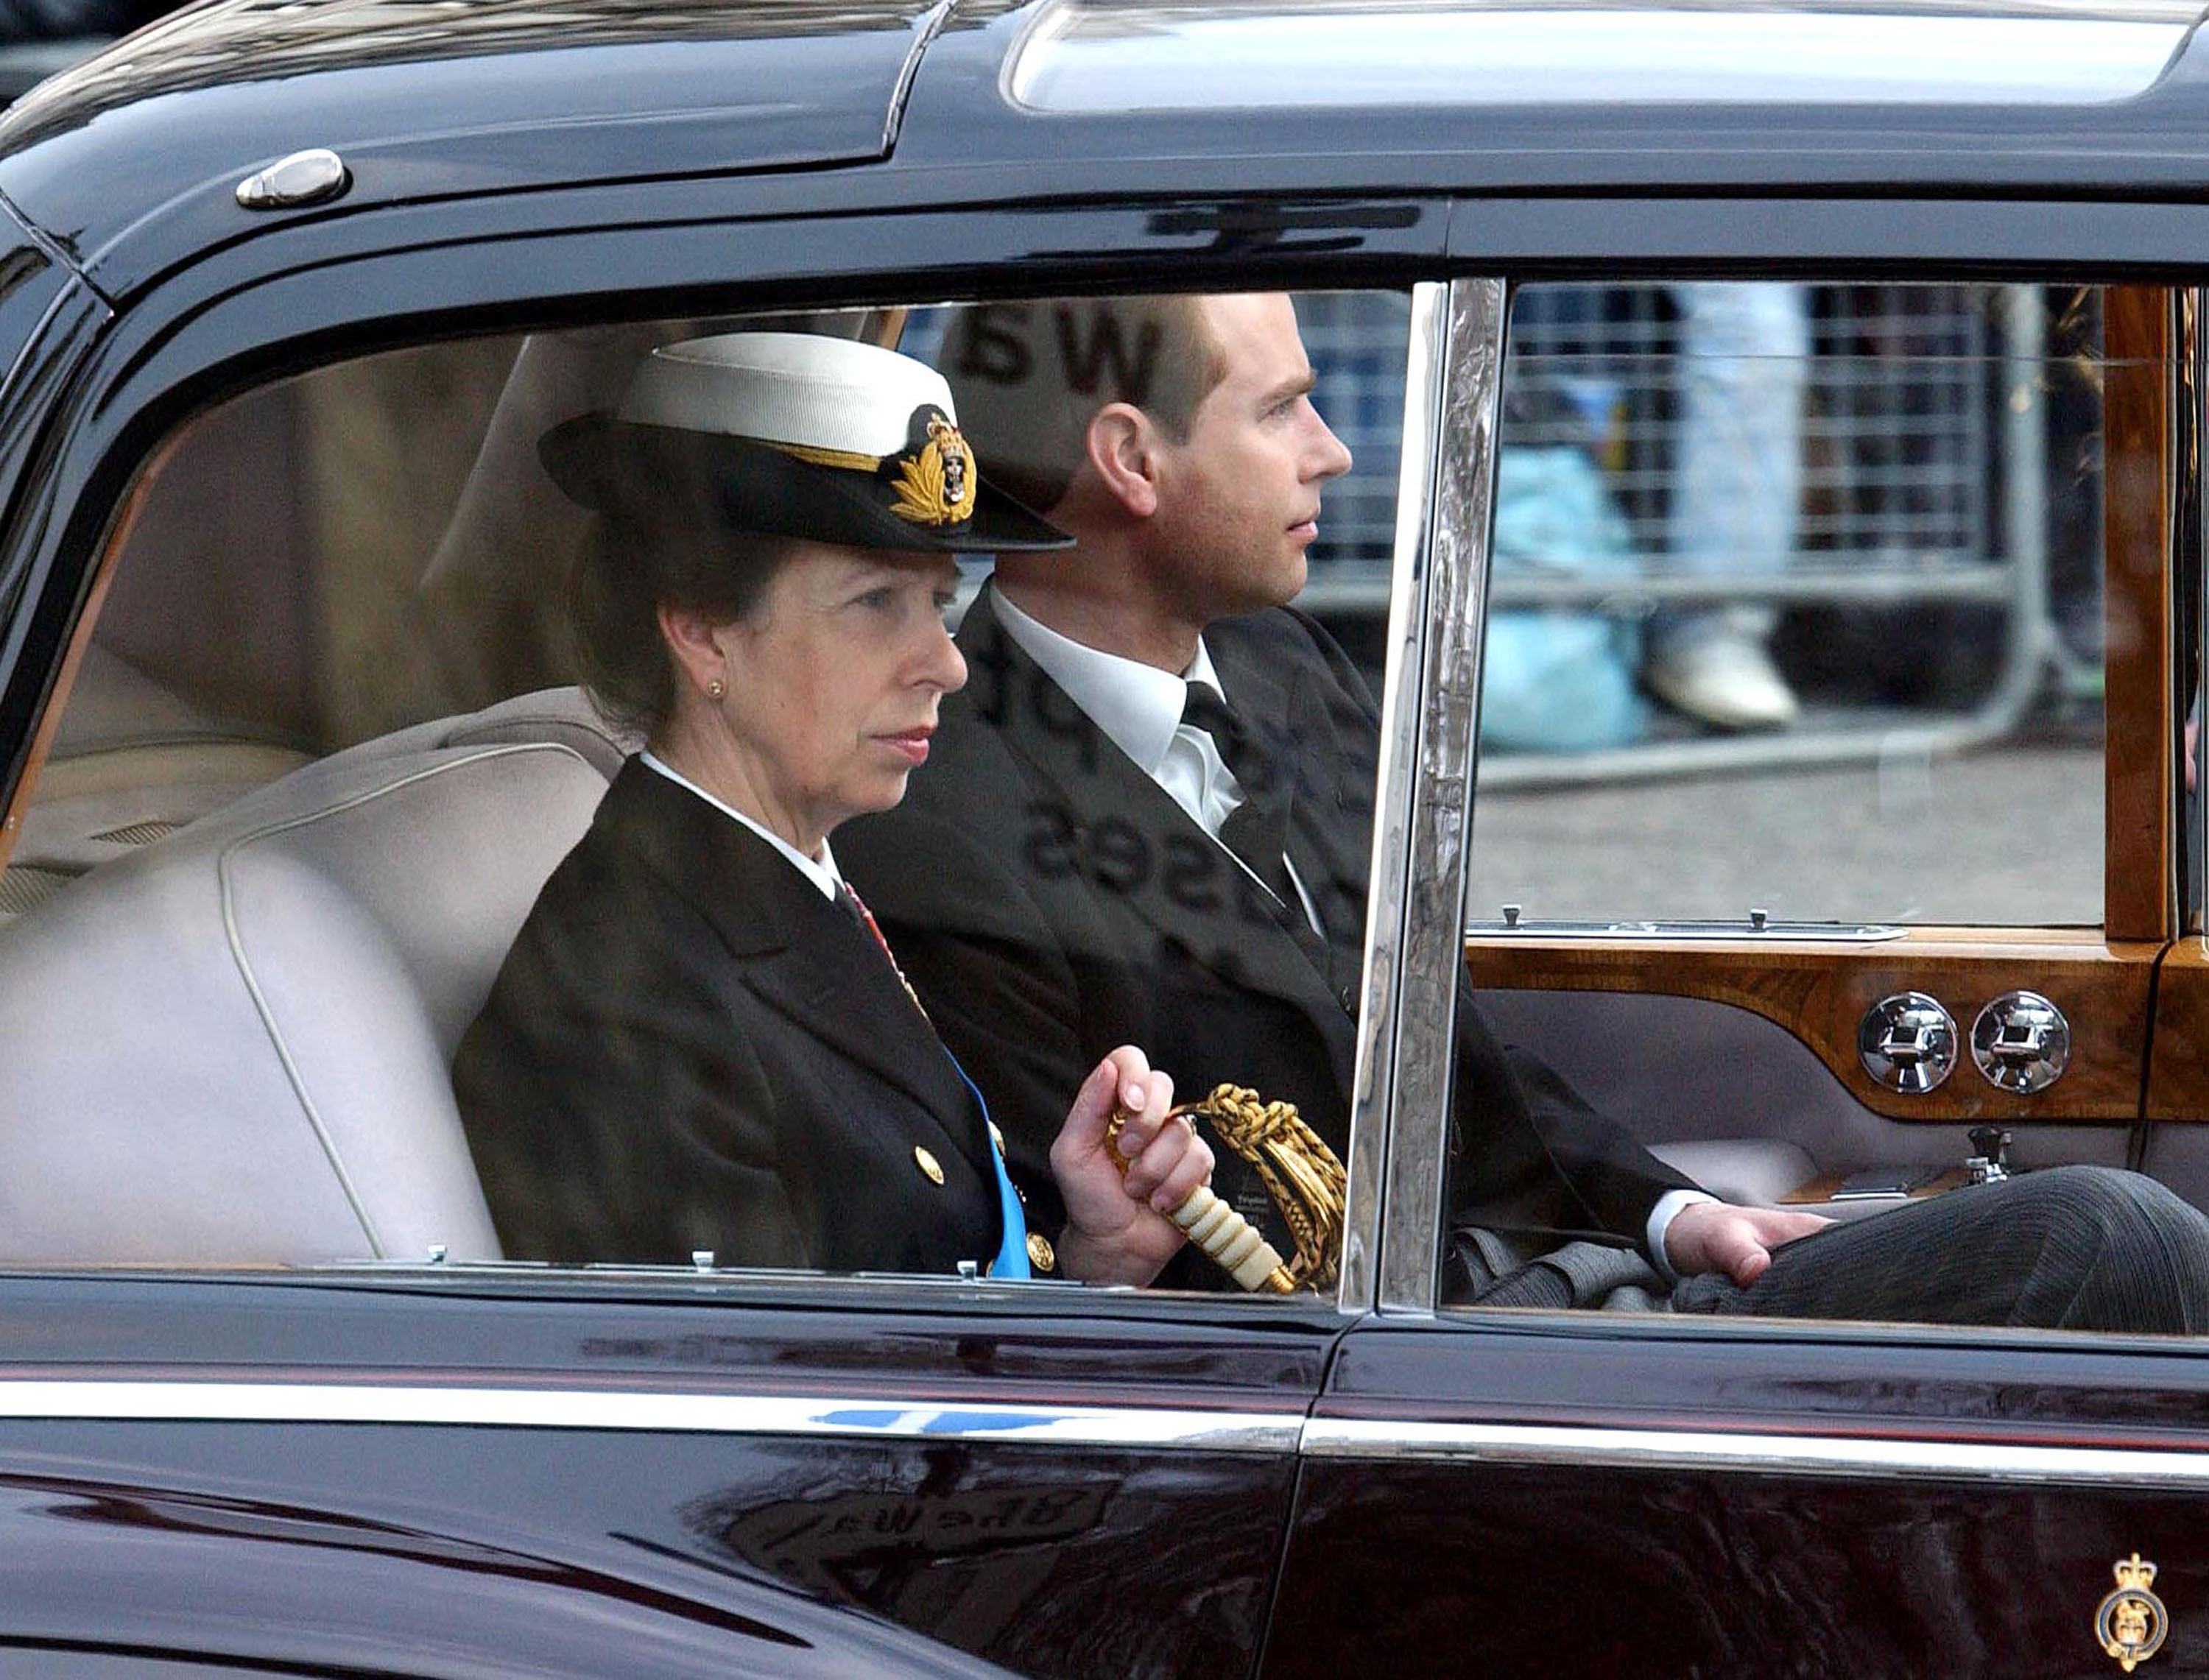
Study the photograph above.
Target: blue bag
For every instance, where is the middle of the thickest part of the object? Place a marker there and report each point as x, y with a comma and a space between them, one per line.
1559, 679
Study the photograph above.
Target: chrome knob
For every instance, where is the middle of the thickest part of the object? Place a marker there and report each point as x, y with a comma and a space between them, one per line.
2021, 1042
303, 178
1908, 1042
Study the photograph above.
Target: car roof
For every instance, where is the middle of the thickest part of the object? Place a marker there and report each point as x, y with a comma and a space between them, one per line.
428, 98
1497, 96
1002, 99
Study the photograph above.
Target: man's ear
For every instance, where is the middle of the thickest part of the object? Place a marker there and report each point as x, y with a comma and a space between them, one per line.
693, 638
1122, 453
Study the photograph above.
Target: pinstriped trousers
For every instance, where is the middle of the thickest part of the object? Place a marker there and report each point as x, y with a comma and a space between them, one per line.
2084, 1247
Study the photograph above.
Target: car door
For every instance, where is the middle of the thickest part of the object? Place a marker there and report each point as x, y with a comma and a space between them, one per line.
1627, 1491
411, 1473
396, 1451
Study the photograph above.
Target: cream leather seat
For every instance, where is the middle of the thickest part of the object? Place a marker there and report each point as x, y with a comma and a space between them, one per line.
232, 1045
130, 764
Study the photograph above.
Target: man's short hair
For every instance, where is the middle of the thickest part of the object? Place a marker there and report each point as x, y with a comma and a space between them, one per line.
1029, 376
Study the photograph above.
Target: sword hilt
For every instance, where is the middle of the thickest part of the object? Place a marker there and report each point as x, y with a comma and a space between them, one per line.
1215, 1227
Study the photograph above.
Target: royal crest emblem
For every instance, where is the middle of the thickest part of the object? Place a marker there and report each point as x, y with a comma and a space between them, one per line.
2131, 1622
934, 482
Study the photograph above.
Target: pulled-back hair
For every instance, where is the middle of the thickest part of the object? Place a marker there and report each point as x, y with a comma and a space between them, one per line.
1029, 376
627, 571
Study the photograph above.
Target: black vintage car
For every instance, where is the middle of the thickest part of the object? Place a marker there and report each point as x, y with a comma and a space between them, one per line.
1871, 332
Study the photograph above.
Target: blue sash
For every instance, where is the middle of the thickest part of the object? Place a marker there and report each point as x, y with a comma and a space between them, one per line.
1012, 1261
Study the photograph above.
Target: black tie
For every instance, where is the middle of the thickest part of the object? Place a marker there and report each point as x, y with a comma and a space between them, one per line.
1257, 830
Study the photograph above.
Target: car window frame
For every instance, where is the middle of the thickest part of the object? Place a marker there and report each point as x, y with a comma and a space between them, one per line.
2160, 422
318, 293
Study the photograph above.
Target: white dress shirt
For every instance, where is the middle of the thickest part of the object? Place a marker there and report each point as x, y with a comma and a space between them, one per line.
1139, 708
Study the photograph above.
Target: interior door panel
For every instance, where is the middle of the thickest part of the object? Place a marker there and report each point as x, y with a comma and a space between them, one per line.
1819, 995
1702, 1069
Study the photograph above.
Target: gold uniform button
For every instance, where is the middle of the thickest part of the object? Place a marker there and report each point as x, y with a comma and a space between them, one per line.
928, 1165
1040, 1252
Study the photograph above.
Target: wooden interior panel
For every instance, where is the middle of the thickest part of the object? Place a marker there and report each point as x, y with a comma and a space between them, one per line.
1817, 1192
1820, 993
2178, 1074
2137, 343
80, 639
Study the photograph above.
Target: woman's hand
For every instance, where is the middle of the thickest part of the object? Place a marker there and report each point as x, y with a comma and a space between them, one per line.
1116, 1229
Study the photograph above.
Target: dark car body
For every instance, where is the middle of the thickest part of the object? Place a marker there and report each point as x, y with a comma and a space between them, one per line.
412, 1467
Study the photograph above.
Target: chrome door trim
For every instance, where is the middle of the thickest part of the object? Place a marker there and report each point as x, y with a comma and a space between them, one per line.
1427, 912
1393, 800
486, 1405
2189, 592
1860, 1457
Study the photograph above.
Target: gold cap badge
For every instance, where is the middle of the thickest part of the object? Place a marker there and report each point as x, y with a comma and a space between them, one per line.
935, 480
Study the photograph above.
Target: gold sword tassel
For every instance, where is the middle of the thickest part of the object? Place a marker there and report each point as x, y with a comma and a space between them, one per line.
1300, 1172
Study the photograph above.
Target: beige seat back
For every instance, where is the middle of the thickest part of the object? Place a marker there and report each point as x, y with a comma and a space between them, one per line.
233, 1045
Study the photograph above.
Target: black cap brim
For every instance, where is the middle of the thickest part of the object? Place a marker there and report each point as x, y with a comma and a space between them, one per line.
631, 470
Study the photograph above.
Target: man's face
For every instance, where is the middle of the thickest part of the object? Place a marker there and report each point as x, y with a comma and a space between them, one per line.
1239, 497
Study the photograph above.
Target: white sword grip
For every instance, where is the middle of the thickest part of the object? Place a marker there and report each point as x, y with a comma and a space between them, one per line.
1229, 1239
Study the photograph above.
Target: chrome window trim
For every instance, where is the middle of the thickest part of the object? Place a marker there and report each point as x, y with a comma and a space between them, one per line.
1685, 932
1860, 1457
2189, 594
1434, 797
878, 1417
1393, 800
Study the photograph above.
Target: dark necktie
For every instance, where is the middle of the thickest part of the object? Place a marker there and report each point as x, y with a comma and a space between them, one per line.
1257, 830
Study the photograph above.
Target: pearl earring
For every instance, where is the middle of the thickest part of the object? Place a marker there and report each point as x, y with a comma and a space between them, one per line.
715, 689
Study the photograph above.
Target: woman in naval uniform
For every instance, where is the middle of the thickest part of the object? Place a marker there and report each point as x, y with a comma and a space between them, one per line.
699, 1041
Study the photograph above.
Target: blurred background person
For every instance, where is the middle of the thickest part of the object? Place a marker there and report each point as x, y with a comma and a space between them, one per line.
1736, 497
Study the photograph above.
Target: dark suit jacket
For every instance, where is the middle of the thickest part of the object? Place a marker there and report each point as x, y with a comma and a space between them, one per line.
690, 1047
1050, 900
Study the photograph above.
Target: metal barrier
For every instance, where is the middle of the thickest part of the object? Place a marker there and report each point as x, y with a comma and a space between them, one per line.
1925, 482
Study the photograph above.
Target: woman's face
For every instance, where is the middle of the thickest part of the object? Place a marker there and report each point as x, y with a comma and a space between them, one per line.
831, 684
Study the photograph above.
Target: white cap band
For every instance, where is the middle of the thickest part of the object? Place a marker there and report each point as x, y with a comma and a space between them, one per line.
787, 388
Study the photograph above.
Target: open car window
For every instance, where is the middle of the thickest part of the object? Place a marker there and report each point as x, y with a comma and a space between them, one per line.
1824, 848
323, 744
1798, 605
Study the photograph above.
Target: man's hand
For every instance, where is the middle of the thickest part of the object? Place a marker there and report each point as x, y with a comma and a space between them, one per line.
1719, 1237
1116, 1228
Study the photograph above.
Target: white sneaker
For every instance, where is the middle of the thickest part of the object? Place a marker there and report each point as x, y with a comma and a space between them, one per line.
1728, 682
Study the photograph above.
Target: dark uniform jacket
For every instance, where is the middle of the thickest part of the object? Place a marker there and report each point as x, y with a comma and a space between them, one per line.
1050, 900
690, 1047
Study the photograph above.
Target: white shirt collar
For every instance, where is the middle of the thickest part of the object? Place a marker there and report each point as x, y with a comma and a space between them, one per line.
1136, 705
822, 872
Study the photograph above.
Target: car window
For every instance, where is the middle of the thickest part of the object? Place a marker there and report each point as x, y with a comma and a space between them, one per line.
1819, 618
1798, 606
539, 819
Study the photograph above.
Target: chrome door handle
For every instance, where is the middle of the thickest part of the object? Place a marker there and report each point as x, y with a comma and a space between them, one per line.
1908, 1042
2021, 1042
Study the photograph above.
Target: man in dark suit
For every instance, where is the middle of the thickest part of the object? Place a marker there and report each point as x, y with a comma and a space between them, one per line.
1148, 817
